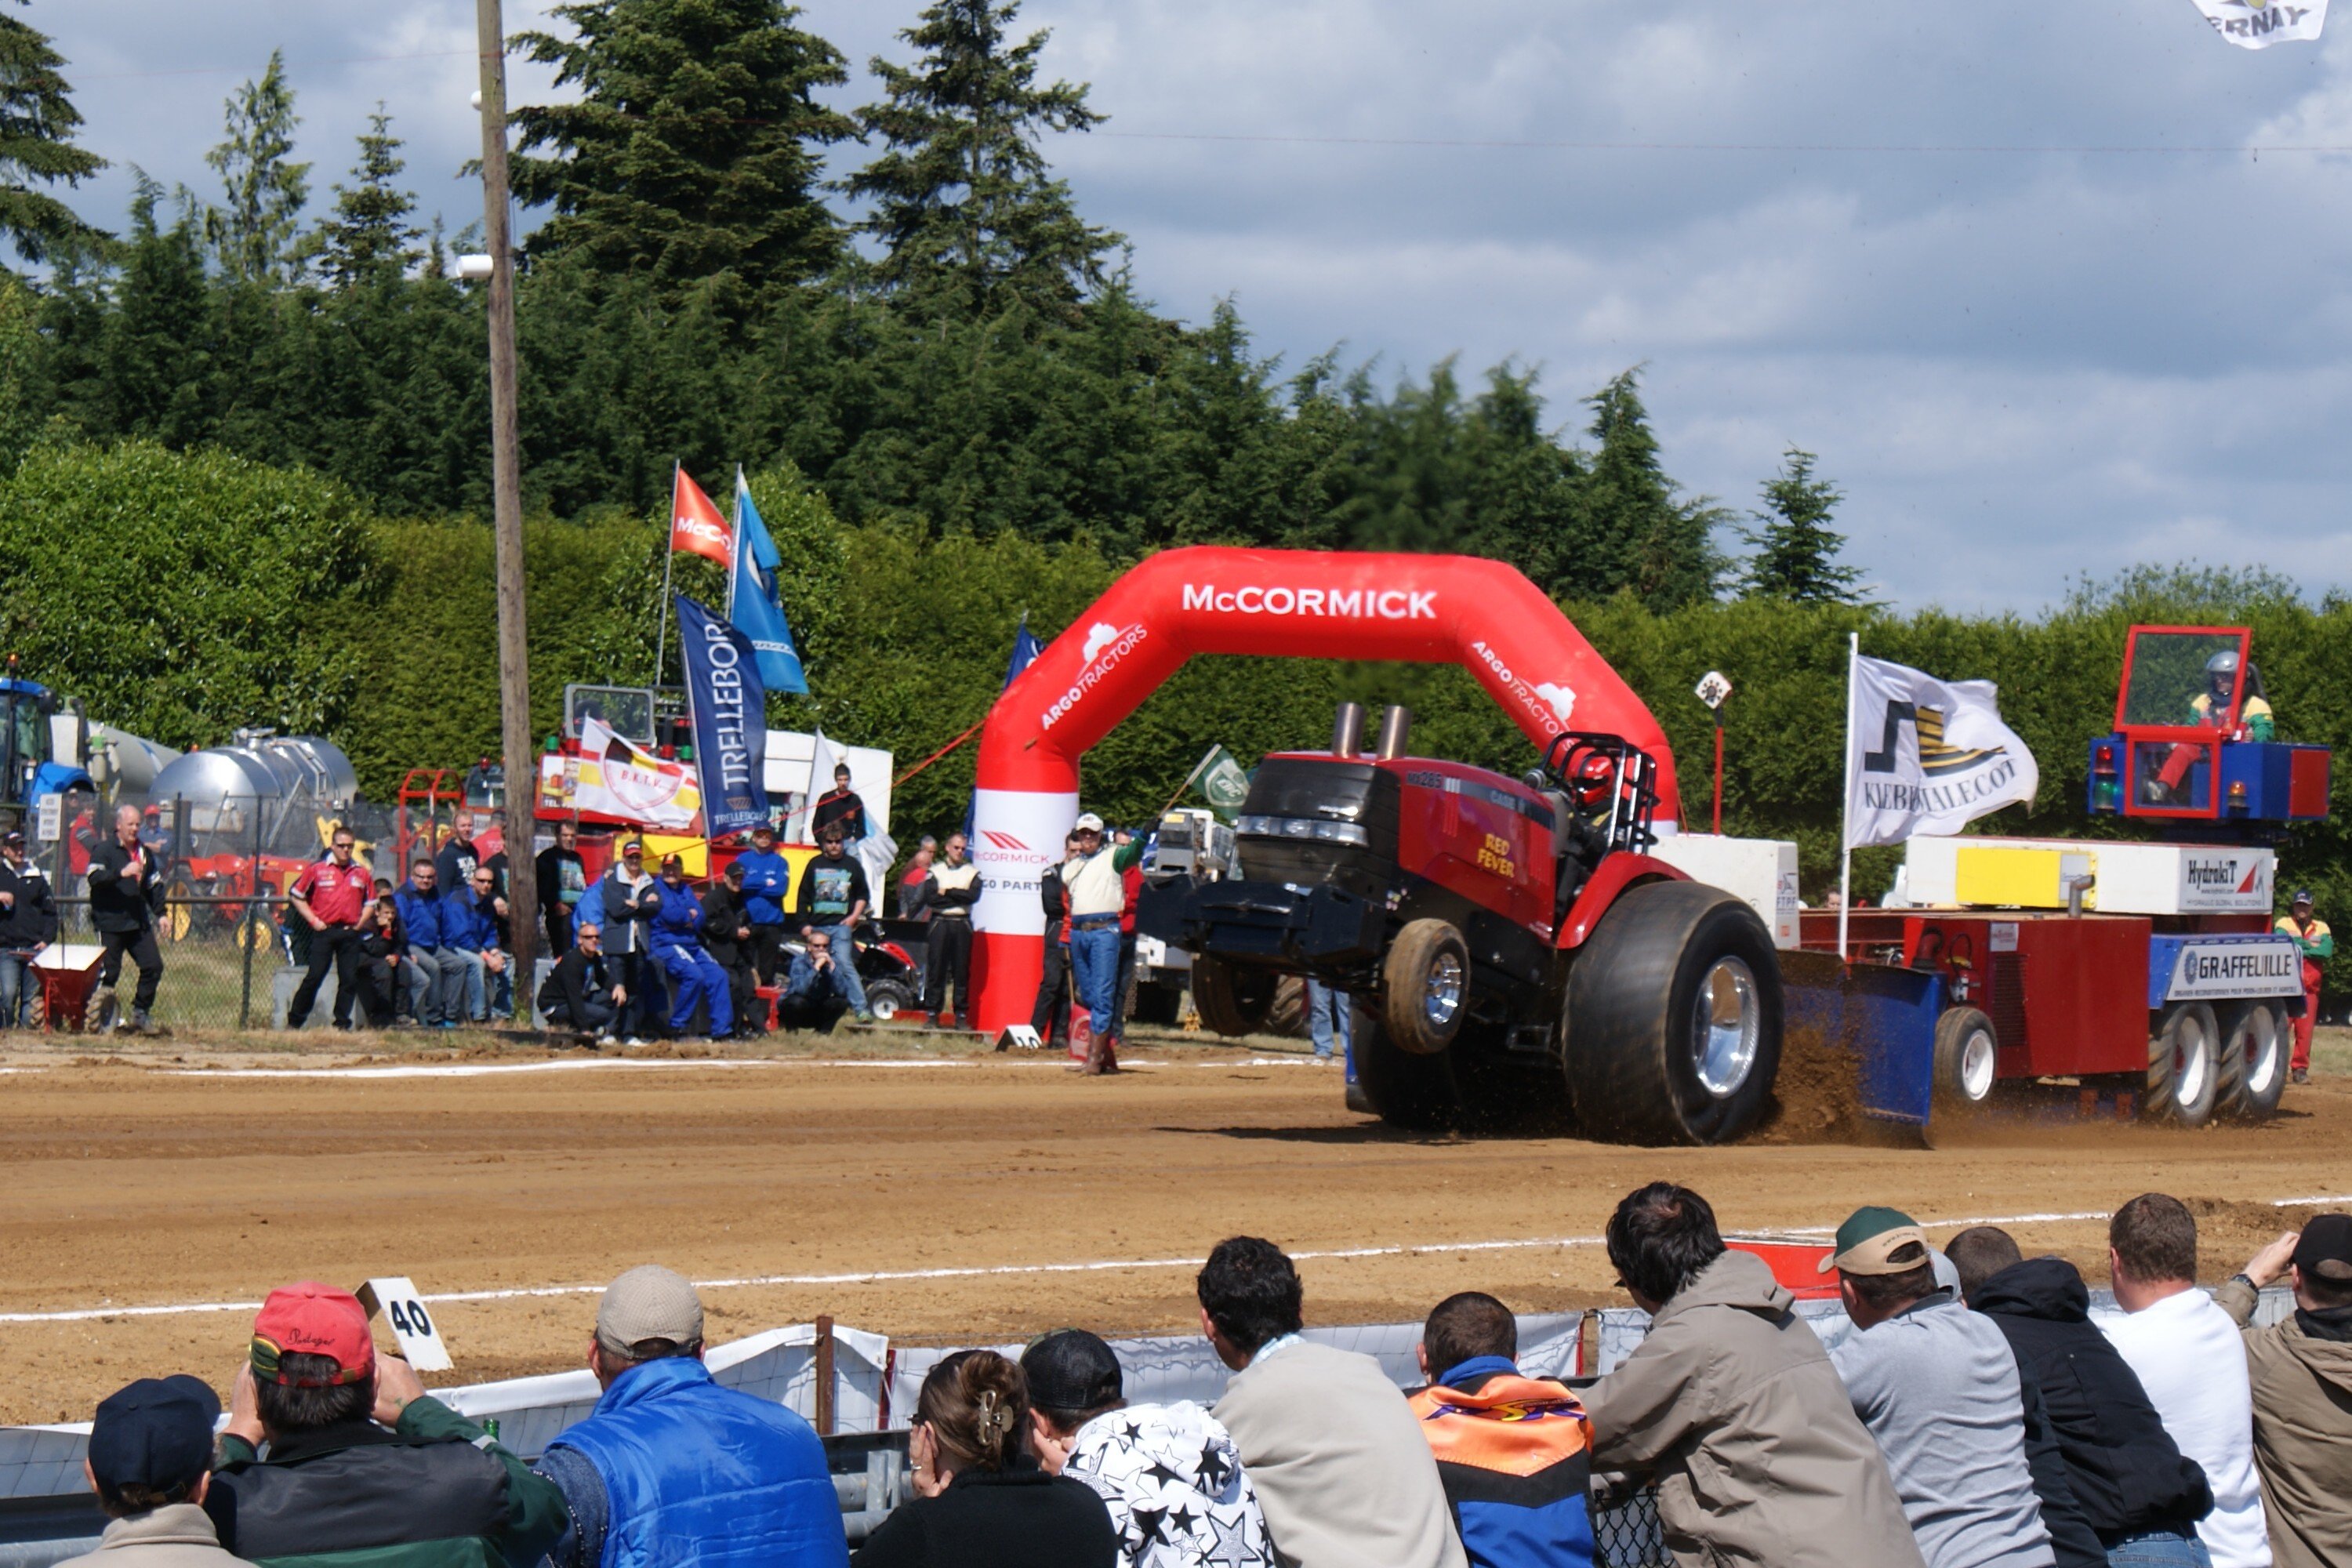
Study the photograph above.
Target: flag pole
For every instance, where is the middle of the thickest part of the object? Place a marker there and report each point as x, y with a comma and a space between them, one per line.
1845, 804
1181, 788
670, 555
735, 554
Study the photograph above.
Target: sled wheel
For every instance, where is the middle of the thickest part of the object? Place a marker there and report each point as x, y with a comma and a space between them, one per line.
1966, 1053
2181, 1066
1231, 1002
1674, 1019
1427, 986
2251, 1066
1415, 1092
1285, 1014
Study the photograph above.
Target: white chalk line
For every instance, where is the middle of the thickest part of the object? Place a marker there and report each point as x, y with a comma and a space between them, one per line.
488, 1069
1100, 1266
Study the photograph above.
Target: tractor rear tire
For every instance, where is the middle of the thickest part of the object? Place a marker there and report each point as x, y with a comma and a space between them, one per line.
1963, 1074
2182, 1065
1231, 1002
1426, 989
1410, 1091
2252, 1062
1674, 1019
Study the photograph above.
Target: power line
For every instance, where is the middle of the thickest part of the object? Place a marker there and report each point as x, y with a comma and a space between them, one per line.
1985, 148
231, 71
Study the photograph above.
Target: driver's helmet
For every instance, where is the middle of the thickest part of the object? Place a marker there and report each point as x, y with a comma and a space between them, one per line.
1596, 775
2222, 670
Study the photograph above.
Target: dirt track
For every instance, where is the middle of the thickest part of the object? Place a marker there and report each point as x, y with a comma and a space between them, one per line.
133, 1183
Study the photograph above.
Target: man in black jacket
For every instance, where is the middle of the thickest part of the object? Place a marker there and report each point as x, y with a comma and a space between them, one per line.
126, 891
2128, 1477
580, 992
28, 922
563, 880
727, 936
1050, 1018
949, 893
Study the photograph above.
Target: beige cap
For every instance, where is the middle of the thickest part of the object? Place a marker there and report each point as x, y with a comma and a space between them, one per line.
648, 1303
1878, 1241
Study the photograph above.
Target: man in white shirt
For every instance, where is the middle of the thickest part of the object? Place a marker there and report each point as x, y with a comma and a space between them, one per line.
1095, 878
2186, 1353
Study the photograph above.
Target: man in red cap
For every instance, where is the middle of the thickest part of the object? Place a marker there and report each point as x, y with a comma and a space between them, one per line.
362, 1460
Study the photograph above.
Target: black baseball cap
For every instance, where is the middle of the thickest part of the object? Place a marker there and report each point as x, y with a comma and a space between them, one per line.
12, 840
2325, 1249
1071, 1370
156, 1433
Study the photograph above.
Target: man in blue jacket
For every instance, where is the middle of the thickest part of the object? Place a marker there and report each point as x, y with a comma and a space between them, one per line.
767, 883
472, 917
420, 900
694, 975
674, 1468
622, 905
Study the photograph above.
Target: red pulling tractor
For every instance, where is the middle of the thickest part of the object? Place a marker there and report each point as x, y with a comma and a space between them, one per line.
1509, 944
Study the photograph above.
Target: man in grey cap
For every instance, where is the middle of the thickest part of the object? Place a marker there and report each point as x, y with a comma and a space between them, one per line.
673, 1467
1938, 1386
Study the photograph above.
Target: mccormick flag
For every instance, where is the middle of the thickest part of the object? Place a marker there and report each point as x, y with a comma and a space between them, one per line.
695, 523
1926, 755
2259, 24
752, 602
730, 720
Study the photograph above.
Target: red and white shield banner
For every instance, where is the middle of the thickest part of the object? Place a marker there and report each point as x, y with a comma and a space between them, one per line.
696, 524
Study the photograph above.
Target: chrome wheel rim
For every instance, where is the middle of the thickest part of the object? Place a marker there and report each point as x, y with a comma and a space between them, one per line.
1977, 1065
884, 1006
1726, 1024
1440, 993
2192, 1060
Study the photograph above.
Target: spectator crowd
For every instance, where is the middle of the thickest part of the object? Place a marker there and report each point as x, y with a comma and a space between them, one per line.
1975, 1413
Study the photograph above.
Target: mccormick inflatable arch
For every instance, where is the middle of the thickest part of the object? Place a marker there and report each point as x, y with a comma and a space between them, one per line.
1290, 604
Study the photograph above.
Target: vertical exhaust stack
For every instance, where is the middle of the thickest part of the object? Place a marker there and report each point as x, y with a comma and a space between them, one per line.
1347, 729
1396, 728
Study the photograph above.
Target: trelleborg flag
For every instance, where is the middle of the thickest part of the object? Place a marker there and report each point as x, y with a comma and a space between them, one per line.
695, 523
1928, 755
730, 720
753, 604
2259, 24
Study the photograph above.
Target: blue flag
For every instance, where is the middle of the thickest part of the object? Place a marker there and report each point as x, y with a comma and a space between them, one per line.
756, 610
730, 720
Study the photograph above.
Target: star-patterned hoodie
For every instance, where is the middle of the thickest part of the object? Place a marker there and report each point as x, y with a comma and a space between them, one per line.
1173, 1480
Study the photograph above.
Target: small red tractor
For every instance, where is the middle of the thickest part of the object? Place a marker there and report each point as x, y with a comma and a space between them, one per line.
1510, 945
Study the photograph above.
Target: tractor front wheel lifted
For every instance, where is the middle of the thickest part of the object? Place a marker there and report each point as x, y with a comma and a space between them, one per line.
1231, 1002
1427, 986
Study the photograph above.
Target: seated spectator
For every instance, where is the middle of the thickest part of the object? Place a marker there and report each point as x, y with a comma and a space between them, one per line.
581, 993
980, 1499
695, 982
2135, 1492
150, 1456
2186, 1352
1511, 1450
671, 1468
727, 937
1733, 1406
1336, 1455
1939, 1387
386, 972
424, 915
814, 993
1171, 1475
470, 925
362, 1460
2301, 1372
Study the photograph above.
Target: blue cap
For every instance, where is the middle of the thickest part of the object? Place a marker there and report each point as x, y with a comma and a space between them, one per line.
157, 1433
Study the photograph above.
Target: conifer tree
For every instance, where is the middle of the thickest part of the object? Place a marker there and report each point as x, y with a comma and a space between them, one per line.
1796, 549
961, 192
37, 121
254, 235
1638, 534
370, 235
693, 151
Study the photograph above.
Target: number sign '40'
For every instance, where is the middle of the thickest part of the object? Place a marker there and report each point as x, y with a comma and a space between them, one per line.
397, 1301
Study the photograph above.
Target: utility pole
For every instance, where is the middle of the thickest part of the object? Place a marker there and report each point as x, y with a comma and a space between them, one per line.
514, 648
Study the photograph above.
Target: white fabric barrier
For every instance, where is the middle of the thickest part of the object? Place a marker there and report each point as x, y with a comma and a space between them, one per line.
1165, 1368
1623, 1328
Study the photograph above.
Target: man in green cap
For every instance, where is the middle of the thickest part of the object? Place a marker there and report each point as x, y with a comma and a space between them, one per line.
1937, 1385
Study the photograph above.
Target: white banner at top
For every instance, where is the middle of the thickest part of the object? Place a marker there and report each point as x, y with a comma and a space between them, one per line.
2255, 25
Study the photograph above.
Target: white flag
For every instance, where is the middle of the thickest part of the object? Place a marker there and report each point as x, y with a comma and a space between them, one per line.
2258, 24
1928, 755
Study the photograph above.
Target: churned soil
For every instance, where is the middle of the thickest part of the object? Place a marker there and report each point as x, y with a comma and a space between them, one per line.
186, 1175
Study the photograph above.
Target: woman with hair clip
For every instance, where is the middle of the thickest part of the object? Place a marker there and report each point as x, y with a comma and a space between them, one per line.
980, 1499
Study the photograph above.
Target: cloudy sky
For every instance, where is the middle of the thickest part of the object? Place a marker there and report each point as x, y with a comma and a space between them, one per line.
2050, 288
